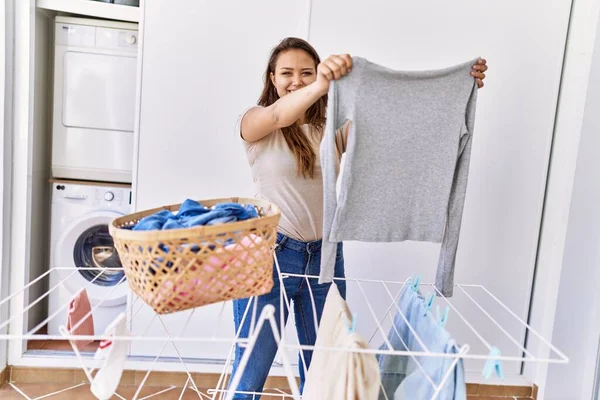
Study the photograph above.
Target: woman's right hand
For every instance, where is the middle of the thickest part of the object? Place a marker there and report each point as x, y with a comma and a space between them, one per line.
332, 68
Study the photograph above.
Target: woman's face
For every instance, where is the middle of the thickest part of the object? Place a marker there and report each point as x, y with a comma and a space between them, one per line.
294, 69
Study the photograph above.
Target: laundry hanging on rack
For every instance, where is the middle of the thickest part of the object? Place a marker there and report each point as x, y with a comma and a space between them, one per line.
340, 375
403, 377
80, 320
407, 159
114, 354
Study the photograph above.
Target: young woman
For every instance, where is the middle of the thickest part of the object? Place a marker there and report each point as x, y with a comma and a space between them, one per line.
282, 136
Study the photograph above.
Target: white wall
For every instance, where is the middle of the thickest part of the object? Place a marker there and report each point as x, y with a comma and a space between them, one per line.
567, 132
21, 165
202, 66
6, 63
40, 171
596, 393
511, 142
577, 321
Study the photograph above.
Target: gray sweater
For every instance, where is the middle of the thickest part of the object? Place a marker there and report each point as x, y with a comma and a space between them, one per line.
407, 159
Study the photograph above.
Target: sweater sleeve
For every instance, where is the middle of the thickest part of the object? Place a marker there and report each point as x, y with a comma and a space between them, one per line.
339, 108
444, 279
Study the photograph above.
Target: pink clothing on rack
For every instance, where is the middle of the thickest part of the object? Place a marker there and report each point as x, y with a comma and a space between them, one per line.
79, 308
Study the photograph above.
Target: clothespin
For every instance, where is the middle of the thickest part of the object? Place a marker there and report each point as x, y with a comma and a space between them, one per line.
352, 324
417, 282
429, 303
443, 318
493, 365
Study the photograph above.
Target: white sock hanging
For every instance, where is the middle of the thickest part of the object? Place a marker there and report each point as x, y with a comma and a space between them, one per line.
114, 353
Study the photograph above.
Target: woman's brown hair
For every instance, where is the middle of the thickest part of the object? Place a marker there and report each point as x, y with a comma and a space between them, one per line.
296, 140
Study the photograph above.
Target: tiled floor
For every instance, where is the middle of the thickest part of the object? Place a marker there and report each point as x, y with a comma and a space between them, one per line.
37, 382
58, 345
83, 392
28, 380
42, 381
494, 392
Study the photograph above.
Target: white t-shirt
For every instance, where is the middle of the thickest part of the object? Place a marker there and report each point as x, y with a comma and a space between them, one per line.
276, 179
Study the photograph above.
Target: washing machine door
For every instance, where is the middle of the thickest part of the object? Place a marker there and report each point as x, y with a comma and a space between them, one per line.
86, 243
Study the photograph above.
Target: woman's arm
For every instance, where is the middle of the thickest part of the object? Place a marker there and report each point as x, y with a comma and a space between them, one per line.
261, 121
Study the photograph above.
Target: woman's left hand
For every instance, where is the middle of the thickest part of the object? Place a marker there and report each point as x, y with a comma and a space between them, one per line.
478, 71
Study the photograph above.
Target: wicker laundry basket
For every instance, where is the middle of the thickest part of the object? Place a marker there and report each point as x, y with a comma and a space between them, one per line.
179, 269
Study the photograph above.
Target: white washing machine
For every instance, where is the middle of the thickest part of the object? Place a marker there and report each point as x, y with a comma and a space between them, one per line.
79, 238
95, 77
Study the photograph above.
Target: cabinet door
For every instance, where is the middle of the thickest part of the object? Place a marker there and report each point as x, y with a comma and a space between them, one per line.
99, 91
203, 64
510, 155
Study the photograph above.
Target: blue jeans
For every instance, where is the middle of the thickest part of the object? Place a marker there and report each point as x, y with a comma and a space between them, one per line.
294, 257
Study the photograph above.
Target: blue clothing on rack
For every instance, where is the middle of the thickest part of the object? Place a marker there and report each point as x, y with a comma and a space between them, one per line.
191, 213
402, 379
393, 367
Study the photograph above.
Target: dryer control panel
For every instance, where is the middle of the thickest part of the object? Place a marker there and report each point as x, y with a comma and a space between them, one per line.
75, 35
92, 195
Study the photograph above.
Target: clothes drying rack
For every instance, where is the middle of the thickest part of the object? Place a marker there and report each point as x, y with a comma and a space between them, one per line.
389, 289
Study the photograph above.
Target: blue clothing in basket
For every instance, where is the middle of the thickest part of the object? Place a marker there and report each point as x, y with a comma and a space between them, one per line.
191, 213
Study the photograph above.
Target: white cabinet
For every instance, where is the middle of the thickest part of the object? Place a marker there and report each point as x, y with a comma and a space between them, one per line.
203, 64
93, 9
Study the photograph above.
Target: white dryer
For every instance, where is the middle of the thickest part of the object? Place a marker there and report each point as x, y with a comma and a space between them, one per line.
95, 76
80, 239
